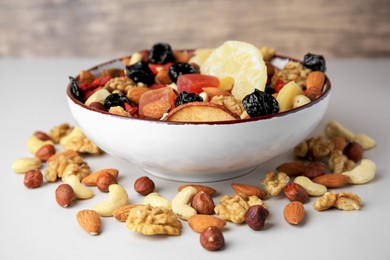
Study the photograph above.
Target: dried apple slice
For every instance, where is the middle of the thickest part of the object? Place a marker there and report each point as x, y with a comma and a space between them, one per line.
200, 112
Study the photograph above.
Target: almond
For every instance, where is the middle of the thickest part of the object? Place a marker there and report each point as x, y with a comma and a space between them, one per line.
156, 109
89, 220
200, 222
122, 213
199, 188
91, 179
249, 190
135, 93
294, 212
333, 180
292, 168
314, 83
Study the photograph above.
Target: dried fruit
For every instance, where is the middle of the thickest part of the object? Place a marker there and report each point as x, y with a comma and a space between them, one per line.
294, 212
260, 103
314, 62
89, 220
295, 192
255, 217
212, 239
144, 185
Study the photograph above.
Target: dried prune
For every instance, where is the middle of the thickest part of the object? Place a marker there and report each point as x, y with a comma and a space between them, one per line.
260, 103
161, 53
269, 89
140, 72
113, 100
180, 68
185, 97
314, 62
75, 90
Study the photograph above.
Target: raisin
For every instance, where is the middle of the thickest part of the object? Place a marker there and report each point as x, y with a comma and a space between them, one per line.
184, 98
180, 68
314, 62
113, 100
140, 72
161, 53
260, 103
269, 89
124, 99
75, 90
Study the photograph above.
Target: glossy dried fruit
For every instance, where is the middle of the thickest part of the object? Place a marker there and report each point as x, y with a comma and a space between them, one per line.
161, 53
181, 68
314, 62
260, 103
184, 98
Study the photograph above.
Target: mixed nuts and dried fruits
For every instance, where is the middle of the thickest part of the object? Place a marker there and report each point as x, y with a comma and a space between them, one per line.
234, 81
201, 85
323, 164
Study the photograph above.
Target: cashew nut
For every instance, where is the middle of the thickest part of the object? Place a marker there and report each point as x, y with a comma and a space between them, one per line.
23, 165
80, 191
117, 196
155, 200
365, 141
334, 128
312, 188
180, 203
362, 173
98, 96
34, 143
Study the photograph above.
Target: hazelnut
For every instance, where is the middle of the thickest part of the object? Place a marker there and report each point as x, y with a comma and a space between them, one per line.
255, 217
33, 179
64, 195
314, 169
104, 180
353, 151
42, 136
144, 185
45, 152
212, 239
203, 203
295, 192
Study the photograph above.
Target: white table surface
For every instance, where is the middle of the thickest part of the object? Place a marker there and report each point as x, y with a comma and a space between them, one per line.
32, 93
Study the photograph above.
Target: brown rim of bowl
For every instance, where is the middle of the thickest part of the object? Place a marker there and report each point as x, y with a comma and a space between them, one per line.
325, 93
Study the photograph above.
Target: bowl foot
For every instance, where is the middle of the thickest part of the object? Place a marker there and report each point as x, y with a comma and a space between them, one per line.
196, 178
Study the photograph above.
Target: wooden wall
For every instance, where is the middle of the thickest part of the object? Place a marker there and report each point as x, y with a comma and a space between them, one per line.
111, 28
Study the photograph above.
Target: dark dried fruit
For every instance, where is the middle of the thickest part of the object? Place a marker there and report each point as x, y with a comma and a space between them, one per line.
184, 98
113, 100
75, 90
140, 72
161, 53
180, 68
314, 62
255, 217
212, 239
260, 103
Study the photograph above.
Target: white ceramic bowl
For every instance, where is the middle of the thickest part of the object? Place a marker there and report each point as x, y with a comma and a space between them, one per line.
197, 152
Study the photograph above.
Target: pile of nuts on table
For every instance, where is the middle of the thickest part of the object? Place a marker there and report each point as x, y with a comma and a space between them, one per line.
325, 162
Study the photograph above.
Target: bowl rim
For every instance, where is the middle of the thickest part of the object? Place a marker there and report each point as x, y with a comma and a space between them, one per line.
325, 92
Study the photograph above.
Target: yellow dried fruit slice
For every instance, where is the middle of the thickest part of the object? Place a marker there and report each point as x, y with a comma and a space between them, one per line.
287, 94
200, 55
241, 61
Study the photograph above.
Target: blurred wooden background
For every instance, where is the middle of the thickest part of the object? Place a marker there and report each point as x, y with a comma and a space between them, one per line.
105, 28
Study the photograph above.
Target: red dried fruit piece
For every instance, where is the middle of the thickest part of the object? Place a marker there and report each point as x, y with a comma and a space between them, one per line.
156, 67
101, 81
278, 85
194, 83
